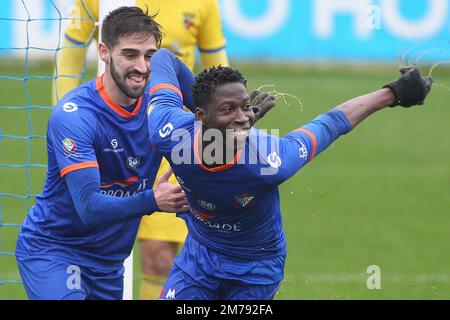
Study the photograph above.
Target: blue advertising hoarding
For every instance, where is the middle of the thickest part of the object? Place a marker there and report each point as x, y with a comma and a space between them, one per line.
337, 29
371, 30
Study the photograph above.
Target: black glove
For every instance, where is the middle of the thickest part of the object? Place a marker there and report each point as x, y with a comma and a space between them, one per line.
261, 103
411, 88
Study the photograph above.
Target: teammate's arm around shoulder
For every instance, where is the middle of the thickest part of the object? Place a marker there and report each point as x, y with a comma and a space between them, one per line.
169, 75
170, 84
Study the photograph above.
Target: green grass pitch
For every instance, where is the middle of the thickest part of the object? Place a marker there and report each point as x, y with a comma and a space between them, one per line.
378, 196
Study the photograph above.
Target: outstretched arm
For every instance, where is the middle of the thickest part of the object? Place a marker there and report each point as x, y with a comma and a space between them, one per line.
302, 145
357, 109
408, 90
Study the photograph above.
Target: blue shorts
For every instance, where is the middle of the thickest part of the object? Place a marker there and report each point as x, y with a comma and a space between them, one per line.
49, 279
180, 286
201, 273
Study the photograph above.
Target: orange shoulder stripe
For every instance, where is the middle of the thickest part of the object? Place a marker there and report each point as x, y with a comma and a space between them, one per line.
78, 166
313, 140
166, 86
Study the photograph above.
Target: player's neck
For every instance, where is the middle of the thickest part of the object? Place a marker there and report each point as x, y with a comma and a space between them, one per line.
114, 91
215, 154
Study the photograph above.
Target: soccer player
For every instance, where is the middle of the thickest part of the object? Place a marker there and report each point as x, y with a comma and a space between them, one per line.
187, 25
230, 172
74, 241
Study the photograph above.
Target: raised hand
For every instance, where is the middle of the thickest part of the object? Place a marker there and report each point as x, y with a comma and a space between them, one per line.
410, 88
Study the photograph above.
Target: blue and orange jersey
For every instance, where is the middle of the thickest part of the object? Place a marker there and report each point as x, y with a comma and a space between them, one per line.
87, 129
235, 207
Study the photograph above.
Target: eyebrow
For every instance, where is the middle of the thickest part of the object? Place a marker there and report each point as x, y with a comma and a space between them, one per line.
136, 51
227, 102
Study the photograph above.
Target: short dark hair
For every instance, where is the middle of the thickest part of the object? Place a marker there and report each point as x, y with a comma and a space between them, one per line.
125, 21
209, 80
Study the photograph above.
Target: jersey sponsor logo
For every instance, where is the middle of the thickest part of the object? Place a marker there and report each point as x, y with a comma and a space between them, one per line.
206, 205
121, 183
224, 227
133, 162
274, 160
114, 145
69, 145
202, 216
166, 130
116, 188
70, 107
219, 226
244, 201
188, 20
303, 151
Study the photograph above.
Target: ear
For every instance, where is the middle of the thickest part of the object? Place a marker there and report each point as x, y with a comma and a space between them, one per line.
103, 52
200, 115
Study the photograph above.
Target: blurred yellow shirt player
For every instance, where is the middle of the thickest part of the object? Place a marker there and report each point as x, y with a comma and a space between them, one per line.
186, 24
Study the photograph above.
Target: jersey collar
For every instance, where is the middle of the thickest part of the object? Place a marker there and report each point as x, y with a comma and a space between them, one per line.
112, 104
214, 169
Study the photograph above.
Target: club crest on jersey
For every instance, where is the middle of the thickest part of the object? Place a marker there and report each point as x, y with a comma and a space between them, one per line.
133, 162
69, 145
70, 107
188, 20
166, 130
206, 205
244, 201
303, 151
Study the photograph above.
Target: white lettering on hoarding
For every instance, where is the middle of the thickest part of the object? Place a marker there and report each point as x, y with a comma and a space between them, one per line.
429, 25
369, 17
325, 10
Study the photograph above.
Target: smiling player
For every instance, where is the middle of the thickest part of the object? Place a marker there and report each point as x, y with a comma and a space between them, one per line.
74, 241
230, 173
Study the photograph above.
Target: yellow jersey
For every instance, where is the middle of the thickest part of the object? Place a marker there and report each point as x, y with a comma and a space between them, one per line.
186, 25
